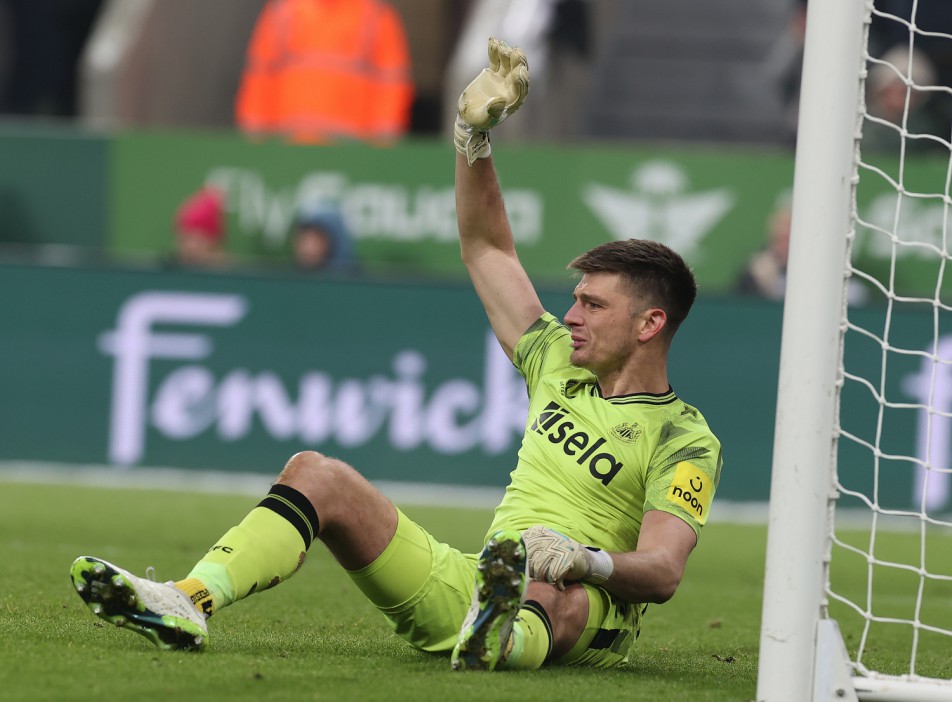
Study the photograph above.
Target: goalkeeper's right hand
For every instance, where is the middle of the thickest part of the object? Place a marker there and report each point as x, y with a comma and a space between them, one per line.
496, 93
555, 558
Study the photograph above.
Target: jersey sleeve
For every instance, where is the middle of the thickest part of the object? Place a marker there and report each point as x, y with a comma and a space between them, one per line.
685, 474
544, 347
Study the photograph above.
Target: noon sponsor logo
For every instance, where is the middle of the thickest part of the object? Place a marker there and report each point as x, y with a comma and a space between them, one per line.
691, 490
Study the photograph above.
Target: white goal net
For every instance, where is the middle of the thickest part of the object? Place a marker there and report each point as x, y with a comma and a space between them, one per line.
862, 608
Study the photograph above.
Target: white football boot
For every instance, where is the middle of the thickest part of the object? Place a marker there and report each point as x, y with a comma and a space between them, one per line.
159, 611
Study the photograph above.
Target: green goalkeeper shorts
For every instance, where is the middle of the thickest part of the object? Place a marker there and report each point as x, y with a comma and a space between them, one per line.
424, 588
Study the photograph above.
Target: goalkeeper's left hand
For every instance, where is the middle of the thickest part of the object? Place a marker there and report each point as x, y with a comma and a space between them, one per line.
496, 93
555, 558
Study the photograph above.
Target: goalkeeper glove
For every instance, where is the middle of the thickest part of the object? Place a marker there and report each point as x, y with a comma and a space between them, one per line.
555, 558
496, 93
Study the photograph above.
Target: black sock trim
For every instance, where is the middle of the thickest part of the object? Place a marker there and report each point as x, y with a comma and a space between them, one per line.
537, 609
293, 506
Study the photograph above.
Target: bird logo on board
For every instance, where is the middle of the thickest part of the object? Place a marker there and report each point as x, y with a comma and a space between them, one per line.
659, 205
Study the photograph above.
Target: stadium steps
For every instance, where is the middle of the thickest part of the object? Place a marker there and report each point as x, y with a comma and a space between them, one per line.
687, 71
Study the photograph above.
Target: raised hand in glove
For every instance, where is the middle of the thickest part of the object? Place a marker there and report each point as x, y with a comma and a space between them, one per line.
555, 558
496, 93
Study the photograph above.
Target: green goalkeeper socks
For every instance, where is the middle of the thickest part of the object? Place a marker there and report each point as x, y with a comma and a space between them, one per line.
268, 546
531, 639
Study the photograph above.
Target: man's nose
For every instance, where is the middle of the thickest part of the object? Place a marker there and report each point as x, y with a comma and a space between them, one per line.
571, 316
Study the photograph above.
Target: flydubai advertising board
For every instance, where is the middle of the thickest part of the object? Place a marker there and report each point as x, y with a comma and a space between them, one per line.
399, 204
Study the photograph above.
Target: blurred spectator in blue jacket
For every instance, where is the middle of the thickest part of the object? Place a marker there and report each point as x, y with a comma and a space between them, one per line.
320, 240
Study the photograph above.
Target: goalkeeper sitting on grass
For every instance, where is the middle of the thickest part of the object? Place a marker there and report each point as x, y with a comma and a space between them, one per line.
614, 478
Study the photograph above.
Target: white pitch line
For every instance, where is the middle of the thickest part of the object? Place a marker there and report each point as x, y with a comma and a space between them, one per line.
401, 493
230, 483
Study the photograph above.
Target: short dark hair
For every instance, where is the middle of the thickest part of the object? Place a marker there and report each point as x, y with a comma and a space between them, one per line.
656, 274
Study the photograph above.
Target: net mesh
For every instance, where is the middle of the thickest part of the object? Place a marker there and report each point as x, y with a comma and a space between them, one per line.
889, 569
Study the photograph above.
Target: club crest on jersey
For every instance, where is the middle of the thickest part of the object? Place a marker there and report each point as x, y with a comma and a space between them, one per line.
629, 432
555, 424
572, 387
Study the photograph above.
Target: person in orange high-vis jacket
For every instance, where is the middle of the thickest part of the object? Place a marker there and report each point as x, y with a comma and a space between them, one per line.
327, 70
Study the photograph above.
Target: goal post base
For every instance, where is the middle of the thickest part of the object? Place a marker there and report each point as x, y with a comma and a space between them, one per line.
834, 680
901, 690
833, 676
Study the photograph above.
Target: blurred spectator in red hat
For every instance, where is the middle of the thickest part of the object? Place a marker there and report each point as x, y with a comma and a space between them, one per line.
200, 230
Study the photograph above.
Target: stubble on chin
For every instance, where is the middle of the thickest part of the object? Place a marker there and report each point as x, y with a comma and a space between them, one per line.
577, 359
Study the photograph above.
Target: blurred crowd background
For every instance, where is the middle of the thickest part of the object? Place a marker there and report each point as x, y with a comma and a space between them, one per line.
609, 69
727, 70
676, 74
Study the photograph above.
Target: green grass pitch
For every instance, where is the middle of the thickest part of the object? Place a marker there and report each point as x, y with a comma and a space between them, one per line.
315, 637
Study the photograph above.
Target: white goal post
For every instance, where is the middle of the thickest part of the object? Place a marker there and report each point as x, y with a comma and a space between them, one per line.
803, 656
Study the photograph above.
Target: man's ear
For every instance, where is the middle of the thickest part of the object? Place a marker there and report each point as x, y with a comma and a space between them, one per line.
652, 320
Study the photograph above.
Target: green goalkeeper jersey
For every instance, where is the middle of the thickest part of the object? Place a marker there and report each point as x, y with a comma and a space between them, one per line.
589, 466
